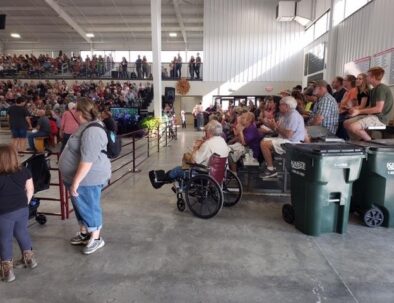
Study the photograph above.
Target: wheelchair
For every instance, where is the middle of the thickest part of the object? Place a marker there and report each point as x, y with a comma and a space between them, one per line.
206, 189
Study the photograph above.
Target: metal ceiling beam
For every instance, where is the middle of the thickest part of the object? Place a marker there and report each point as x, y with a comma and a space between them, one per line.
107, 29
180, 20
68, 19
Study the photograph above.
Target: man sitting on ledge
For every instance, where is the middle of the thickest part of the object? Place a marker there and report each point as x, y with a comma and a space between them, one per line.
290, 129
203, 149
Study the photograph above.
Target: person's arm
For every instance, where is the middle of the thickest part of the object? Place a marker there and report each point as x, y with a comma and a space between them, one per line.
377, 109
29, 187
363, 103
280, 130
82, 171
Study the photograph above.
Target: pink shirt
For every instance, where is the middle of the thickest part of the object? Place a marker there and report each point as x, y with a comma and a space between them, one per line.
69, 124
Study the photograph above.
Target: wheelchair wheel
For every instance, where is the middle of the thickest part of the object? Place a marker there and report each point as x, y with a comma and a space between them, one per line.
232, 189
41, 219
180, 204
204, 197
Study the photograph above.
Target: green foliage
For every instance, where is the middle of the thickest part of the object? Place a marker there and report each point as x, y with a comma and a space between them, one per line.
151, 123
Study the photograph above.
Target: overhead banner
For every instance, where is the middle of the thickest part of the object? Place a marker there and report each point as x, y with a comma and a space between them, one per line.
385, 59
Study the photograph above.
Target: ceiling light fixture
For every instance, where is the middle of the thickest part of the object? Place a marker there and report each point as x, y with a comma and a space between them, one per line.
173, 35
90, 35
15, 35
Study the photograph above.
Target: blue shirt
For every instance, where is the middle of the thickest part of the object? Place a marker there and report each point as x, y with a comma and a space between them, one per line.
295, 122
327, 107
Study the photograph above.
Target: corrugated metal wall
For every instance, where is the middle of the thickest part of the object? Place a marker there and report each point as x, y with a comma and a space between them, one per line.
243, 42
367, 32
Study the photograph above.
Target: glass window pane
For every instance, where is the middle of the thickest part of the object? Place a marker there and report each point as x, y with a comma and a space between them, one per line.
353, 5
339, 11
321, 26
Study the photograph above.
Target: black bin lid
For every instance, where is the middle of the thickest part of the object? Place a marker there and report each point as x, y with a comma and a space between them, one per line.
326, 149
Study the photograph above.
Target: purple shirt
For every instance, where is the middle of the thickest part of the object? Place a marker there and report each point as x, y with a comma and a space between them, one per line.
252, 139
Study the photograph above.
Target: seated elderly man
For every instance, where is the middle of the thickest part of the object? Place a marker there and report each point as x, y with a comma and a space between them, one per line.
212, 143
290, 129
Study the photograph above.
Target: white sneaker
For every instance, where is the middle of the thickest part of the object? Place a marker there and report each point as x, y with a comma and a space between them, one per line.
93, 245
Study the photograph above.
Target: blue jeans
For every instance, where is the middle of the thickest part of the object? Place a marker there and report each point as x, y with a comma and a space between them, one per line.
14, 224
176, 173
87, 206
31, 136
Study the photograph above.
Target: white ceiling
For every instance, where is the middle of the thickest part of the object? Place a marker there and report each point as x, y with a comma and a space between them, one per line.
117, 24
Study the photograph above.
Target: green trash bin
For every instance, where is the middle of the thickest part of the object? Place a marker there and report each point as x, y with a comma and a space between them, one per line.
321, 185
373, 193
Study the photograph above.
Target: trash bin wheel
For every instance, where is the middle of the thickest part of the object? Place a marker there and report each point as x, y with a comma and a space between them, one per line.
288, 213
373, 217
181, 205
41, 219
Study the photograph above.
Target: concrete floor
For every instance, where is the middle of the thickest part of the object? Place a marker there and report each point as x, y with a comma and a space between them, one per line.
245, 254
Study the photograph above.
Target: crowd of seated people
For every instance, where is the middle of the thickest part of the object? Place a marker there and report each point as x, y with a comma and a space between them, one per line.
32, 66
347, 111
44, 101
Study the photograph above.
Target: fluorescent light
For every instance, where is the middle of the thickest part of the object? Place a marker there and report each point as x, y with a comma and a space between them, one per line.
15, 35
173, 34
90, 35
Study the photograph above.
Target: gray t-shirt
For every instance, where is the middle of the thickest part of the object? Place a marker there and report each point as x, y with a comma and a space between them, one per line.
86, 149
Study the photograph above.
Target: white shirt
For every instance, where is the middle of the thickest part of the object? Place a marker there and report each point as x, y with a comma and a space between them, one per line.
214, 145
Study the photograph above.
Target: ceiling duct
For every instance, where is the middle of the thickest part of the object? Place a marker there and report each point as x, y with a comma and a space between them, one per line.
303, 12
285, 11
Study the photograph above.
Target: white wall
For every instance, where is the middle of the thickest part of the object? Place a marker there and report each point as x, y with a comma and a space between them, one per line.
321, 6
243, 42
367, 32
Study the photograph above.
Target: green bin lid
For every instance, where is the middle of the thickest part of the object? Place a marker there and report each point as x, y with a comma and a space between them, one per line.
326, 149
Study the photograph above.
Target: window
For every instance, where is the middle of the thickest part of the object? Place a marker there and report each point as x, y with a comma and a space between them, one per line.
321, 25
339, 12
344, 8
353, 5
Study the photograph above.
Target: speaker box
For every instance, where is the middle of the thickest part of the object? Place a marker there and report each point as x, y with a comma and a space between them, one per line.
2, 21
169, 94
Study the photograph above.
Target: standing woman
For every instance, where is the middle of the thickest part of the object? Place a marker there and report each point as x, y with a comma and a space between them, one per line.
86, 169
16, 191
69, 124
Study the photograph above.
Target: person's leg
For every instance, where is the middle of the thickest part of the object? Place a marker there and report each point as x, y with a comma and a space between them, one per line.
14, 139
82, 236
266, 149
31, 136
89, 201
176, 173
6, 236
21, 232
358, 132
22, 236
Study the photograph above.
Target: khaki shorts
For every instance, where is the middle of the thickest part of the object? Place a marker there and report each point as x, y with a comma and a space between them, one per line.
276, 144
366, 121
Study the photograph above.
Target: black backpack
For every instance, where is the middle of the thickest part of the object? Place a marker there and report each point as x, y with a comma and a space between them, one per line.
114, 145
40, 170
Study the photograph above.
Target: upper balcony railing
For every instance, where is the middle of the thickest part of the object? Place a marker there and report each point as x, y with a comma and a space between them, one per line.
101, 70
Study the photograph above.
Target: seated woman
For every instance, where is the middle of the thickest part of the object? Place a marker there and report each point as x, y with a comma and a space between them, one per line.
248, 135
212, 143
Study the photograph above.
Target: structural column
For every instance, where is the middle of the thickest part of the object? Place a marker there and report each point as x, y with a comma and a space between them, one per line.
332, 46
155, 9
